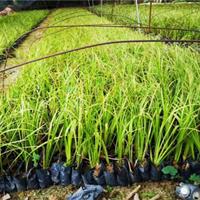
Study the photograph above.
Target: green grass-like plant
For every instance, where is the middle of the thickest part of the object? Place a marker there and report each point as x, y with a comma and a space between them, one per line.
182, 16
15, 25
129, 100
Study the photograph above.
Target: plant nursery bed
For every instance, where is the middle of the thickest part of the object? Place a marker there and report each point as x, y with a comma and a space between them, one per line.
113, 111
23, 44
165, 16
146, 192
18, 24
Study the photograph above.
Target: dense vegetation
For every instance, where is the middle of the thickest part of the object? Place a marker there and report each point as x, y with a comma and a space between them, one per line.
129, 100
184, 16
13, 26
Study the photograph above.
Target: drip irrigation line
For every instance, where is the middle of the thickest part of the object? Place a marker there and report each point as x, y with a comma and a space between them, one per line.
75, 26
117, 15
71, 17
97, 45
37, 28
105, 26
99, 26
90, 10
154, 16
108, 26
117, 26
85, 15
94, 12
60, 15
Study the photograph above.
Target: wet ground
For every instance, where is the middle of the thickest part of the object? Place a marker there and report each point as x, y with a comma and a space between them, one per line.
146, 192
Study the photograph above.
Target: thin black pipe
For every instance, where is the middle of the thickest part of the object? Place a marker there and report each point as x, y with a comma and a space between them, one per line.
100, 26
85, 15
97, 45
110, 26
155, 16
117, 26
107, 26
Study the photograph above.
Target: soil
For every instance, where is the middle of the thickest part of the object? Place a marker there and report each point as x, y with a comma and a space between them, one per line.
146, 192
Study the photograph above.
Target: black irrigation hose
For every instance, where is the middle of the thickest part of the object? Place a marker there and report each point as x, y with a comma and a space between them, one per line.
79, 16
94, 25
100, 26
155, 16
60, 15
116, 15
97, 45
85, 15
108, 26
118, 26
111, 26
125, 26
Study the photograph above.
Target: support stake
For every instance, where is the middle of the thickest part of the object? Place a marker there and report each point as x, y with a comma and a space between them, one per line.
150, 16
137, 12
4, 74
101, 8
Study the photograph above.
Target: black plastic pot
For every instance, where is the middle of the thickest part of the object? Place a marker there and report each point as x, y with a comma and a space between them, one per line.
32, 182
9, 184
20, 183
135, 176
110, 176
195, 167
123, 178
44, 178
185, 170
133, 173
76, 177
88, 178
155, 173
55, 172
65, 175
98, 175
100, 180
144, 170
2, 185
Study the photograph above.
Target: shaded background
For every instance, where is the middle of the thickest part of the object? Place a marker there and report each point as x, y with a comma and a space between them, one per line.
30, 4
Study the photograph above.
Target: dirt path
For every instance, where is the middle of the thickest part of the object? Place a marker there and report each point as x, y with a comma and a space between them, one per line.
147, 191
10, 77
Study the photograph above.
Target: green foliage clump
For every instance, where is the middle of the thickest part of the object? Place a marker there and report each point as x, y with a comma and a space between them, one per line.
15, 25
123, 100
170, 170
178, 16
194, 178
